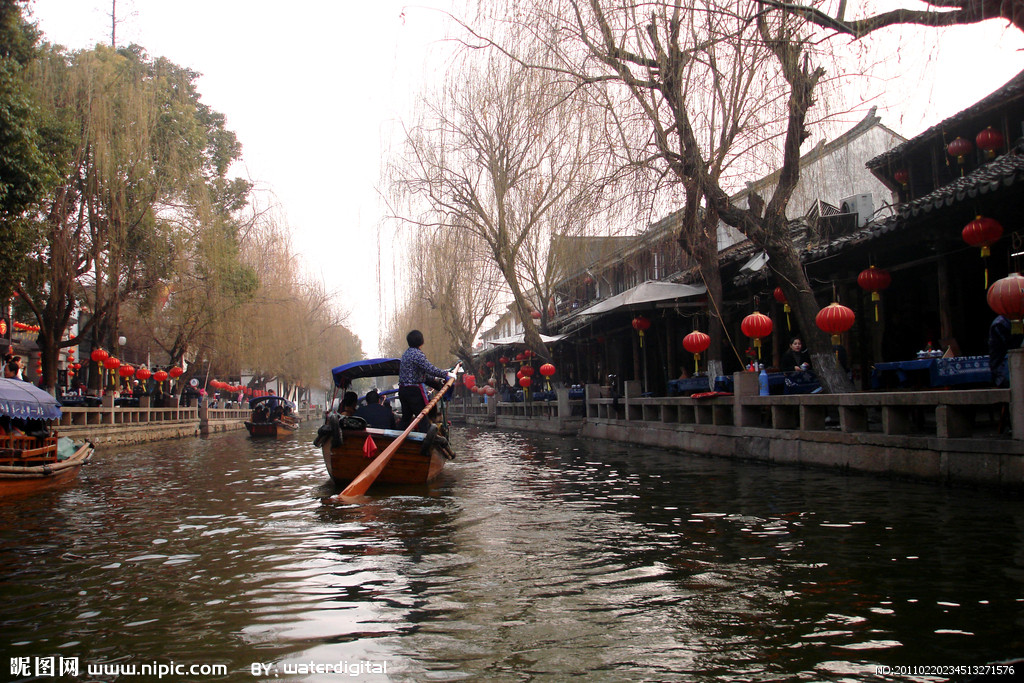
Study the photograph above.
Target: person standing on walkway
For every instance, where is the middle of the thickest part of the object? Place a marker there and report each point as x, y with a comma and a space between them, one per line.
415, 372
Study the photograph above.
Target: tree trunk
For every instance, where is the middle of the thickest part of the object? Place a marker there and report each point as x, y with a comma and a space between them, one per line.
786, 264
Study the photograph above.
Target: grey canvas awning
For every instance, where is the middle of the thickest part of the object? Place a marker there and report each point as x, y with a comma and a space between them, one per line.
645, 293
519, 339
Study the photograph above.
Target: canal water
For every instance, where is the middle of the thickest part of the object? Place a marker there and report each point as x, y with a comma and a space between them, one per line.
531, 559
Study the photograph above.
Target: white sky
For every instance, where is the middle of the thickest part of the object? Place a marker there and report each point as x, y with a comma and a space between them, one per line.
315, 89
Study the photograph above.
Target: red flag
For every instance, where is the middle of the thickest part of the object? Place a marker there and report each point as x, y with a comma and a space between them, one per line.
369, 447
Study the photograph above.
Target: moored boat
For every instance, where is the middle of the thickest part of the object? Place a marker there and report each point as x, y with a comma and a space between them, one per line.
349, 445
38, 460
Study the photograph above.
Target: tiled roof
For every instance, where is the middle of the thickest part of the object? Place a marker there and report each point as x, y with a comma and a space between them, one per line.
1012, 90
1005, 171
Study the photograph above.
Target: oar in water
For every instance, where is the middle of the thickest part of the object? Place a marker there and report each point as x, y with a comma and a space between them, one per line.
362, 482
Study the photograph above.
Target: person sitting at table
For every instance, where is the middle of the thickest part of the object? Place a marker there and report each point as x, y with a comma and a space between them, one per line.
796, 357
1001, 339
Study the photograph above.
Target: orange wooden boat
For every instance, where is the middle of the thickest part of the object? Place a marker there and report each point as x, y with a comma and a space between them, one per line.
418, 459
349, 446
31, 464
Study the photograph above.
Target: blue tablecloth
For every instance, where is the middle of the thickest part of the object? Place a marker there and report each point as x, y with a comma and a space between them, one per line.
936, 372
778, 383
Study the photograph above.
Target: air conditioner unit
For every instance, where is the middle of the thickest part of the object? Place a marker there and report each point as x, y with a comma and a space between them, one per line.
860, 204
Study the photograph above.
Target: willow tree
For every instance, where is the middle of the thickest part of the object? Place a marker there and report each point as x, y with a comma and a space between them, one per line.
659, 65
139, 151
502, 153
935, 13
465, 292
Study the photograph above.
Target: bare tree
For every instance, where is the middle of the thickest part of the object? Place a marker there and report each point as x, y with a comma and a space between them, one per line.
938, 13
507, 155
717, 87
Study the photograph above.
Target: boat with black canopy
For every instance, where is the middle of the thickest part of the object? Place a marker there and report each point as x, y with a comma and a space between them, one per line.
271, 416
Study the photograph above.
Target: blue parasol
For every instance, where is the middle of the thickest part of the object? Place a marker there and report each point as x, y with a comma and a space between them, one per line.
21, 399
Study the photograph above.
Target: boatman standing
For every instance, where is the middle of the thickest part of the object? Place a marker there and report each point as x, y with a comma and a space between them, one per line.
415, 372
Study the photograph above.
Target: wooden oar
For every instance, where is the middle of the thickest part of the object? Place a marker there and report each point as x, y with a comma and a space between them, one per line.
359, 485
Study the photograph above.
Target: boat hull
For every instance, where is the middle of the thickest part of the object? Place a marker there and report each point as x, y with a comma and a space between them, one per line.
270, 429
16, 480
409, 464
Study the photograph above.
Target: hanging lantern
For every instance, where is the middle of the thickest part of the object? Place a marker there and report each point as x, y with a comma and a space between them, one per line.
126, 371
1006, 297
960, 148
110, 363
547, 370
780, 297
983, 232
520, 357
990, 141
99, 355
696, 343
527, 371
492, 381
755, 326
503, 360
902, 176
524, 382
835, 319
489, 364
874, 280
143, 373
159, 375
175, 372
490, 391
641, 325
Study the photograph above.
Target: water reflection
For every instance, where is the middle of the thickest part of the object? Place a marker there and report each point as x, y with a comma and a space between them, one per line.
532, 558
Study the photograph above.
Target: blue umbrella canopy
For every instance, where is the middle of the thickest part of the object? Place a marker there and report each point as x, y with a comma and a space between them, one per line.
21, 399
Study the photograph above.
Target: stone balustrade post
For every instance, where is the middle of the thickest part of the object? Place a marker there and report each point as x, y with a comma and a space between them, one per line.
1016, 358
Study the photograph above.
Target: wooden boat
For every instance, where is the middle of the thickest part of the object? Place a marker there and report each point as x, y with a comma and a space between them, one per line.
267, 420
30, 464
348, 445
275, 428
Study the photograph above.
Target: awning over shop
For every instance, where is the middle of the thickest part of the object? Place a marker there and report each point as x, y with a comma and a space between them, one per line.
519, 339
645, 293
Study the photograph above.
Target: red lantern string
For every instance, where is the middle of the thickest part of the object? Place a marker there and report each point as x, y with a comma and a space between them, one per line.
780, 297
983, 232
1006, 297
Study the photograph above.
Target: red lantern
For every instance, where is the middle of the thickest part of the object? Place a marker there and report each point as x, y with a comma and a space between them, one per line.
527, 371
490, 364
143, 373
780, 297
834, 319
902, 176
755, 326
159, 375
99, 355
520, 357
960, 148
641, 325
535, 315
503, 360
527, 353
1006, 297
524, 382
490, 391
111, 363
990, 141
547, 369
126, 371
983, 232
175, 372
874, 280
696, 343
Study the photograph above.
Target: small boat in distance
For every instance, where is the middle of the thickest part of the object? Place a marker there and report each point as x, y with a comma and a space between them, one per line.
32, 458
271, 416
349, 445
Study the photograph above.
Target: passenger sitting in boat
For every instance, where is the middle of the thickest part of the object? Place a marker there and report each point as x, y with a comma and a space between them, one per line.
374, 413
349, 402
413, 372
259, 414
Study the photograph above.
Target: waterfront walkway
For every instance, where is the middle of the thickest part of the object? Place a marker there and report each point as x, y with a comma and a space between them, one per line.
961, 437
